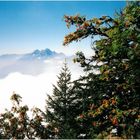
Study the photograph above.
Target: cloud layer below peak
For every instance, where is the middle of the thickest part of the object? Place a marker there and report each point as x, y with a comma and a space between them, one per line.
32, 79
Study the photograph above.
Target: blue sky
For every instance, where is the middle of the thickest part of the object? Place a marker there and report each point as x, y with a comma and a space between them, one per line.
26, 26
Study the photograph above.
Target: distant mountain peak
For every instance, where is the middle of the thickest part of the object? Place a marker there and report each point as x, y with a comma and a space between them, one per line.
43, 53
35, 55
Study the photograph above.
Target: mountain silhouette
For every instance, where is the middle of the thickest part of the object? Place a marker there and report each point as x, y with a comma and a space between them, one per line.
32, 63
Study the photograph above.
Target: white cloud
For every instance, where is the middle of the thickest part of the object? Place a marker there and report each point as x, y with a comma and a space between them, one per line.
32, 89
31, 79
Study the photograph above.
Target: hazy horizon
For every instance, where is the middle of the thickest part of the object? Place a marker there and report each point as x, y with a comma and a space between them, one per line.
29, 25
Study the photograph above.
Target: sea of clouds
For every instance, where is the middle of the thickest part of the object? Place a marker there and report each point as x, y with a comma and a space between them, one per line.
32, 80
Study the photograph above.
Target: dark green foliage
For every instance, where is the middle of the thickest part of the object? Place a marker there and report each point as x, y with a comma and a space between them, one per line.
114, 91
107, 97
61, 106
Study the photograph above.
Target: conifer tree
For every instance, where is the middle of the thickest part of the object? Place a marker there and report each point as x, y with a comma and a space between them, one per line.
16, 124
117, 57
61, 106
